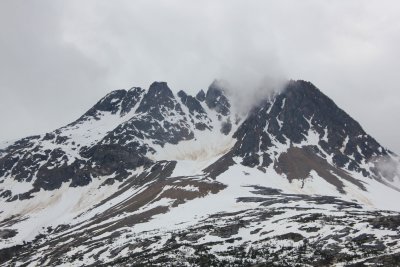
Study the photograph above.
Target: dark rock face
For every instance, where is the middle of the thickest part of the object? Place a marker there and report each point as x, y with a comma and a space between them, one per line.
50, 179
114, 158
7, 233
123, 148
109, 103
220, 166
216, 100
197, 114
226, 127
118, 101
191, 103
157, 100
201, 96
17, 164
161, 118
146, 127
138, 123
130, 100
289, 116
154, 123
297, 163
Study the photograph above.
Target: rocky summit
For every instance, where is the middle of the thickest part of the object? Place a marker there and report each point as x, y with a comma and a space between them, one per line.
154, 177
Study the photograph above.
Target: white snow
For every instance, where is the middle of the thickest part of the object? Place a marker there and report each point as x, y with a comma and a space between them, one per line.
16, 187
51, 208
76, 205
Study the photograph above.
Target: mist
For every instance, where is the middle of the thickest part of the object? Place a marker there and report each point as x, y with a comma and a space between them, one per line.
388, 167
61, 57
245, 96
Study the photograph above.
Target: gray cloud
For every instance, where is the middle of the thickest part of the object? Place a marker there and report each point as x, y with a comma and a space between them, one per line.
58, 58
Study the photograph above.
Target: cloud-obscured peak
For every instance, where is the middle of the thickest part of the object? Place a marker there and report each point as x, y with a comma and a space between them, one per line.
60, 57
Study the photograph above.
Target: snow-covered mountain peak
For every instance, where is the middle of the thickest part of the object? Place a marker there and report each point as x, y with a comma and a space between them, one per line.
148, 174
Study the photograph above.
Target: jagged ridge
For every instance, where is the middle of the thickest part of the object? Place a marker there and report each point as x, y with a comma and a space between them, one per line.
122, 160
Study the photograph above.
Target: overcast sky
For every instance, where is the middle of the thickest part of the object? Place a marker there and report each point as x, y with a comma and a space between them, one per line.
57, 58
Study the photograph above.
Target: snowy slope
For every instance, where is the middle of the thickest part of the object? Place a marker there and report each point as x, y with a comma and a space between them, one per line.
153, 176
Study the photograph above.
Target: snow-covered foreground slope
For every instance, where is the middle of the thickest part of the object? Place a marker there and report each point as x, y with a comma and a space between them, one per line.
245, 216
153, 177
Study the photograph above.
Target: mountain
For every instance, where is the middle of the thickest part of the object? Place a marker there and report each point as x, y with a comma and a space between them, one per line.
153, 177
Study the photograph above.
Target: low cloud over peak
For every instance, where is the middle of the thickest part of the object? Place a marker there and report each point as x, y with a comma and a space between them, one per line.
58, 58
